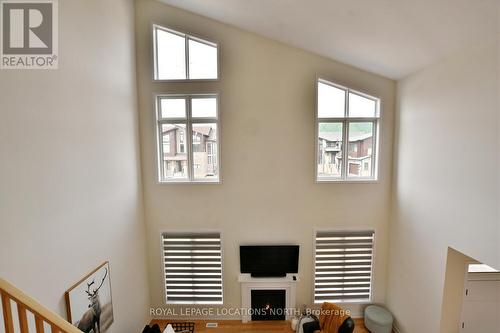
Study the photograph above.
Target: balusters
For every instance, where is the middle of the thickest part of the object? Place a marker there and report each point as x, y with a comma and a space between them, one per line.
23, 319
7, 314
39, 324
25, 305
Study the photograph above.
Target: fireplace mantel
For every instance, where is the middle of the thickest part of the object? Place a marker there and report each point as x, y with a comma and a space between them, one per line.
249, 283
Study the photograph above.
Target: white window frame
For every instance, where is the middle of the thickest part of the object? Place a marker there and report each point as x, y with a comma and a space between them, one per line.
187, 38
189, 121
372, 274
163, 273
345, 121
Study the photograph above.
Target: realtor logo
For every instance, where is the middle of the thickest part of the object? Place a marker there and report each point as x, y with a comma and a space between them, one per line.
29, 34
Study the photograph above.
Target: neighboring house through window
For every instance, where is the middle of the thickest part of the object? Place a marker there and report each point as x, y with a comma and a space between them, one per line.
182, 146
183, 117
188, 124
166, 144
344, 115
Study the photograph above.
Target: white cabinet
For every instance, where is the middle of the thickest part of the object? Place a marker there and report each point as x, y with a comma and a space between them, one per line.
481, 307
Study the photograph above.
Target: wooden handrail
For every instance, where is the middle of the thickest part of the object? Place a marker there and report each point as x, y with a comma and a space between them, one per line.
26, 303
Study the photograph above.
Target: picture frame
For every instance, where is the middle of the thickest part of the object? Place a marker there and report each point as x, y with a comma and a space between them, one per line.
89, 302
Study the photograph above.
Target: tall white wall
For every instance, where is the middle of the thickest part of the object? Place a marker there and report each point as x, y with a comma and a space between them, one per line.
268, 193
446, 178
70, 193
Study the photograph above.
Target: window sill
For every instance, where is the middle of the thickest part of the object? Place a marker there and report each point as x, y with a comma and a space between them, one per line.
184, 80
189, 182
347, 181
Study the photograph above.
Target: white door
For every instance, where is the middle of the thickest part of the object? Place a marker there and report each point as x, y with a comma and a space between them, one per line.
481, 310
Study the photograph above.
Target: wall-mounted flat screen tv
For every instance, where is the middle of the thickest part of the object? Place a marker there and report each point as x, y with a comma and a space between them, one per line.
269, 260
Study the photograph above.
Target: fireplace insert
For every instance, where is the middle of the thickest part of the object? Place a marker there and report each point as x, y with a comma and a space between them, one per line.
268, 304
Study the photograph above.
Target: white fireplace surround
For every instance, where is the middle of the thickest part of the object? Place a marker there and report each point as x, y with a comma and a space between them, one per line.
249, 283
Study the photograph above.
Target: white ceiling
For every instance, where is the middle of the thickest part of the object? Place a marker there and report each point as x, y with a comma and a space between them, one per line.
393, 38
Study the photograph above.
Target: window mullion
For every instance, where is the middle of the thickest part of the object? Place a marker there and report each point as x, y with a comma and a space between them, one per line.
362, 119
345, 137
172, 121
216, 146
345, 150
346, 104
374, 148
203, 120
155, 52
186, 55
316, 144
161, 170
159, 131
189, 134
330, 120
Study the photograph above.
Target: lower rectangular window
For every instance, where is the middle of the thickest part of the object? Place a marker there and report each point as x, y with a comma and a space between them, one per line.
343, 266
188, 132
193, 268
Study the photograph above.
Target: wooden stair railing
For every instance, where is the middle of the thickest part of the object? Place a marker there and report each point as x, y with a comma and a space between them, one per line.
25, 304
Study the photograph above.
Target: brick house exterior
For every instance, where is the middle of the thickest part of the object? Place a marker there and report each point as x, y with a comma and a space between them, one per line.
175, 151
359, 153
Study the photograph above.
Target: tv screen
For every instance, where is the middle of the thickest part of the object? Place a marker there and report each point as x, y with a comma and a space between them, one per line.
269, 260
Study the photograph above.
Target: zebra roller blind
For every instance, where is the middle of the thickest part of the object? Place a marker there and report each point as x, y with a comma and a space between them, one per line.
343, 266
193, 268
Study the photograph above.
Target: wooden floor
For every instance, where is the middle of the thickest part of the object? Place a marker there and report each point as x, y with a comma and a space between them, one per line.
236, 326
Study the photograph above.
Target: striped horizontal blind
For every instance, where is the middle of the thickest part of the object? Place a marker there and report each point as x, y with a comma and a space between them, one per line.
193, 268
343, 266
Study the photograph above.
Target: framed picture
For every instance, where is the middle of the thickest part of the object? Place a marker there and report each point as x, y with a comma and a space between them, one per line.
89, 303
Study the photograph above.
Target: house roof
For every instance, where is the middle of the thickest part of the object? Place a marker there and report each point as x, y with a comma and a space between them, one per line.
168, 128
359, 136
331, 136
202, 129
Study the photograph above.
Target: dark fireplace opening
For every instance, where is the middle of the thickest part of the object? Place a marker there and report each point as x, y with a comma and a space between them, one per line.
268, 304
